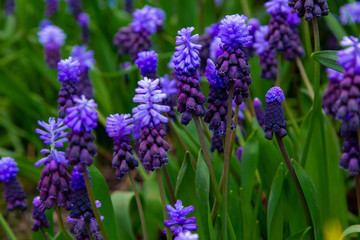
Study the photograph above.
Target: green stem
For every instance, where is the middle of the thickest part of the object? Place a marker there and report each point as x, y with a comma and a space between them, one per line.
163, 200
7, 228
317, 101
169, 185
201, 7
297, 184
87, 226
250, 105
206, 130
227, 155
93, 205
61, 223
44, 233
304, 77
245, 7
206, 155
307, 37
139, 205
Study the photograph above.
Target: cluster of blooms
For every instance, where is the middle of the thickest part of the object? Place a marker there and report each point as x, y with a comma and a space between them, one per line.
152, 145
54, 184
178, 217
75, 7
147, 63
81, 211
86, 62
52, 38
186, 61
232, 65
310, 8
82, 119
9, 7
120, 127
51, 7
259, 112
332, 93
136, 37
350, 157
14, 194
274, 115
350, 13
69, 76
217, 142
39, 216
84, 21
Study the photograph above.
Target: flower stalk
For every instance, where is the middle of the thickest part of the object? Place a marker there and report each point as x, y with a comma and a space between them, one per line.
169, 185
61, 223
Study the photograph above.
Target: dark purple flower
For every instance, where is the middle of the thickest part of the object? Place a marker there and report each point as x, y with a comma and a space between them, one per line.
14, 194
9, 7
69, 70
75, 7
52, 38
217, 142
39, 216
147, 63
239, 153
84, 21
350, 157
148, 19
128, 6
350, 13
215, 49
120, 127
178, 217
274, 116
54, 184
187, 235
51, 7
86, 60
309, 8
259, 112
131, 42
233, 64
332, 92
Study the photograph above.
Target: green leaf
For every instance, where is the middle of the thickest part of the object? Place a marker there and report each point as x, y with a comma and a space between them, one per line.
301, 235
101, 193
351, 230
275, 217
328, 58
202, 183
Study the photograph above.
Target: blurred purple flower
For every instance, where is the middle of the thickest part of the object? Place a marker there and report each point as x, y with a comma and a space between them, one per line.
68, 70
148, 19
187, 235
39, 216
350, 13
51, 7
147, 63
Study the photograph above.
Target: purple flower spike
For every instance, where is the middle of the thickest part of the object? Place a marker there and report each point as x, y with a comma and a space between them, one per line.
187, 236
212, 76
75, 7
234, 32
83, 116
168, 86
274, 7
217, 143
148, 19
274, 115
178, 217
147, 62
259, 112
310, 8
350, 157
39, 217
51, 7
332, 93
350, 57
215, 48
149, 95
9, 7
205, 41
186, 57
8, 169
69, 70
349, 13
52, 38
120, 127
84, 21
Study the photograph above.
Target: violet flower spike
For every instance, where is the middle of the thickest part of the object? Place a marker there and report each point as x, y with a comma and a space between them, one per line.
187, 236
309, 8
84, 21
39, 216
350, 157
147, 63
148, 19
350, 57
349, 13
51, 7
332, 93
69, 70
178, 214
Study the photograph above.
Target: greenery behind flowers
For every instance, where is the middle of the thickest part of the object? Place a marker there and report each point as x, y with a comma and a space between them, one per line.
28, 93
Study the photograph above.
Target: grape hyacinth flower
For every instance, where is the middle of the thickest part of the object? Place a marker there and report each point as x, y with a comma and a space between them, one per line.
274, 119
205, 41
152, 145
147, 63
9, 7
283, 35
259, 112
75, 7
218, 101
350, 157
347, 106
51, 7
52, 38
254, 23
266, 54
84, 21
39, 216
332, 93
69, 76
215, 49
233, 64
239, 153
136, 37
168, 86
309, 8
187, 236
186, 60
217, 143
120, 127
350, 13
54, 184
86, 61
178, 214
82, 119
14, 194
